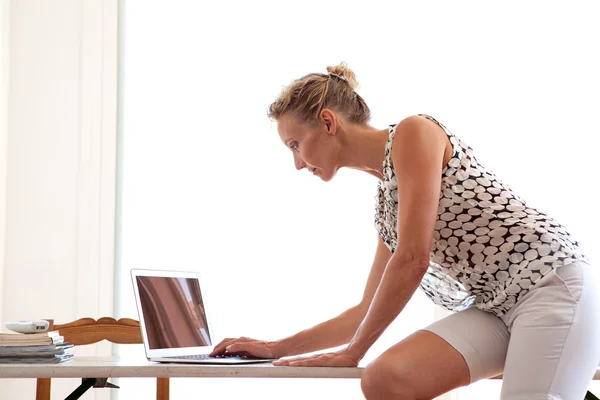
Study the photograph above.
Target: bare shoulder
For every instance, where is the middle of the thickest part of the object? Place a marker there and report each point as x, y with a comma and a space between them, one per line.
420, 126
416, 135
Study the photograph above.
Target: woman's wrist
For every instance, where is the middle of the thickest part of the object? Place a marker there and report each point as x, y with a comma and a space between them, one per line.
278, 348
355, 352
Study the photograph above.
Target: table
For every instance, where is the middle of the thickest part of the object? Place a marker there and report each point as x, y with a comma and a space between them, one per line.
94, 369
115, 367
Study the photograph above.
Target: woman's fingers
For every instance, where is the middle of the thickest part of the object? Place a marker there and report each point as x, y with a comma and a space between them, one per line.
239, 347
288, 361
306, 362
321, 360
220, 348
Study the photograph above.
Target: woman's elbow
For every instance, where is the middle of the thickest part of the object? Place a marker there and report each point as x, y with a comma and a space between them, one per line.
414, 261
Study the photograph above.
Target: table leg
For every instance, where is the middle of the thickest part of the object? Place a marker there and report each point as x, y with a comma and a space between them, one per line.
162, 388
590, 396
42, 389
85, 385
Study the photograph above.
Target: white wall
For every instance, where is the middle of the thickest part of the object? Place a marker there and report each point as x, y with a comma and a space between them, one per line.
60, 167
4, 31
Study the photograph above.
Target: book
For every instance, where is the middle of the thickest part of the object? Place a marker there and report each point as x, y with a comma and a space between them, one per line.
27, 336
33, 351
33, 342
55, 359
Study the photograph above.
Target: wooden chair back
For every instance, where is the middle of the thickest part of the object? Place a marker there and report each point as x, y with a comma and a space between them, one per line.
89, 331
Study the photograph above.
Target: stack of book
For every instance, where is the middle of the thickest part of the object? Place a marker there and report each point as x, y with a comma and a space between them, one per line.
34, 348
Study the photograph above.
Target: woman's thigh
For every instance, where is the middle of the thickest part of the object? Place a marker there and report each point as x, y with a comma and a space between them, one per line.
555, 337
450, 353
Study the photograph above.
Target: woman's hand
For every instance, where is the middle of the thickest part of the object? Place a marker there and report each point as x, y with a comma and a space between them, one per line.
338, 359
247, 347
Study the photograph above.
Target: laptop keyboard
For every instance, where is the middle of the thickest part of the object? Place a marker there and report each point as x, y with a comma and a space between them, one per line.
206, 357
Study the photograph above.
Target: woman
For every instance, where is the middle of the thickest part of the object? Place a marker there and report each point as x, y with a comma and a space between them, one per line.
526, 305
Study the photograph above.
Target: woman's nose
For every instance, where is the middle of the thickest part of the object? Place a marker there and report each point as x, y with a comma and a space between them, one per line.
299, 163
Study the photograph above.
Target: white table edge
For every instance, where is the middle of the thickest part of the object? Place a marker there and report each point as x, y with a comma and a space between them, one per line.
114, 367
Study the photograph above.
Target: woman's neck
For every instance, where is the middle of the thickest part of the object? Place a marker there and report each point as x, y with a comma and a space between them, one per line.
364, 149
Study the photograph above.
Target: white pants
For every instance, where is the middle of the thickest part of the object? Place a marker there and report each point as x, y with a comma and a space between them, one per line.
547, 345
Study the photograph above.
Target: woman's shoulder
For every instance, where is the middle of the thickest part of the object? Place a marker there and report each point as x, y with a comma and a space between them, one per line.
424, 125
420, 122
415, 118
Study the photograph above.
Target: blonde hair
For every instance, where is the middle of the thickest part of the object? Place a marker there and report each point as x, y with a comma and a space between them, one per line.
336, 90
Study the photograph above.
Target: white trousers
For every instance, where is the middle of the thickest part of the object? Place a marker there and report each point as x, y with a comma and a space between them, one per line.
547, 345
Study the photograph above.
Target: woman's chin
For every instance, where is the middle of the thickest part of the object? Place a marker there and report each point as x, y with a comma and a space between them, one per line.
326, 177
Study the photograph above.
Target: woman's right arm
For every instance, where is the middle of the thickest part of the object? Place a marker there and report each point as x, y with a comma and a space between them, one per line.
331, 333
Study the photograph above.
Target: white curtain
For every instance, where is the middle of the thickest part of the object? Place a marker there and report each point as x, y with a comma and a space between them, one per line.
207, 185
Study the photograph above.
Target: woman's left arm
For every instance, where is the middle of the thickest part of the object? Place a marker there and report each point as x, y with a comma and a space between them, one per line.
417, 158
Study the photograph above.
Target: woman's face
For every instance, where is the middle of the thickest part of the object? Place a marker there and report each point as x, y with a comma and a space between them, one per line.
313, 147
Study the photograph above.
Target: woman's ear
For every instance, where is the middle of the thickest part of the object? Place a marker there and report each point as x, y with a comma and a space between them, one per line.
329, 120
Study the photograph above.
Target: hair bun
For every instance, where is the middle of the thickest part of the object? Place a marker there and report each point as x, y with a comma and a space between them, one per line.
343, 72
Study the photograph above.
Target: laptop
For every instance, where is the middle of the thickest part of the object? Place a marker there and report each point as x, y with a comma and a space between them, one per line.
174, 319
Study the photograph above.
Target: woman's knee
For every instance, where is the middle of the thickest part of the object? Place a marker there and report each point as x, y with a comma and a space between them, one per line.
383, 379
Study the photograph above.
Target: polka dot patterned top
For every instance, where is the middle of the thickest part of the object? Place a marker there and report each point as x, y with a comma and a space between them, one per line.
489, 247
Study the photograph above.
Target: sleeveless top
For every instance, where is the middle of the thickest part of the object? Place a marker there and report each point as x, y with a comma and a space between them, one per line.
489, 246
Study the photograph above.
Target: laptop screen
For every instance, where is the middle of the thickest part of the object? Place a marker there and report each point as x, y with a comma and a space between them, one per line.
173, 310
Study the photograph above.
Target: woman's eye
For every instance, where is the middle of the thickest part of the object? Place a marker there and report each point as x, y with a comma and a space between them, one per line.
294, 146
